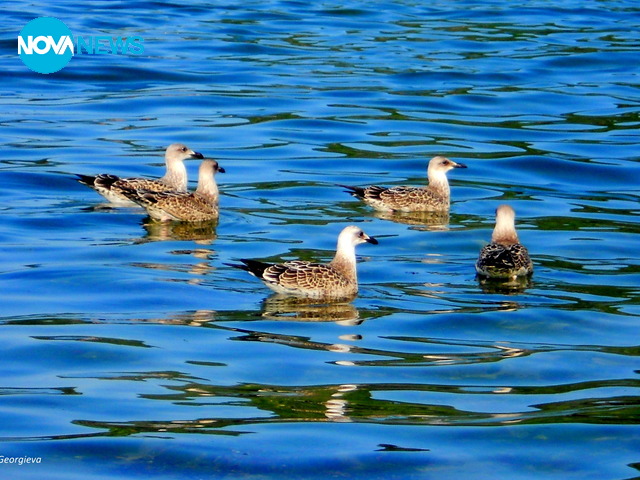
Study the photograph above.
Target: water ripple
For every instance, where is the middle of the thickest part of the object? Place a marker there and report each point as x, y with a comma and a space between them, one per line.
130, 346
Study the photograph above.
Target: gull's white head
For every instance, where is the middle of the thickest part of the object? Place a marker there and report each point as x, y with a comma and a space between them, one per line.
179, 152
441, 165
206, 178
352, 236
209, 168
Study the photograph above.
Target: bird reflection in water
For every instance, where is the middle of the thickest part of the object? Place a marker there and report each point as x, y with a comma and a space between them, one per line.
300, 309
198, 270
512, 286
203, 233
196, 318
337, 406
425, 221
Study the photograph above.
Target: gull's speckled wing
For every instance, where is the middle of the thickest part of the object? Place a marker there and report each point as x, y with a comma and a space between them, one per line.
412, 198
172, 205
113, 187
401, 198
141, 184
305, 276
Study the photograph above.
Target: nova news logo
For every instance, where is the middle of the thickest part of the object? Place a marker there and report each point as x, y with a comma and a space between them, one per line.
46, 45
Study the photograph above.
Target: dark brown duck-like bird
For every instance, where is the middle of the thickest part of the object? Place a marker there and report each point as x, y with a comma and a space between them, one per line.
505, 257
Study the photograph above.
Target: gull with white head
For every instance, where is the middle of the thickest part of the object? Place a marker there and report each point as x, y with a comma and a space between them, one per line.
505, 257
434, 197
112, 187
334, 280
173, 205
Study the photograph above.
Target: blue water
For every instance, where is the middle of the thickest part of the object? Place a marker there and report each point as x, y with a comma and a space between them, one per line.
130, 349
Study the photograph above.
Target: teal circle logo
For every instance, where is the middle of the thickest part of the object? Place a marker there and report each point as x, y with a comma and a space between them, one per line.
45, 45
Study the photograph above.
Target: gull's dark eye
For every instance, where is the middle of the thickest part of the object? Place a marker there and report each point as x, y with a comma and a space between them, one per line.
184, 149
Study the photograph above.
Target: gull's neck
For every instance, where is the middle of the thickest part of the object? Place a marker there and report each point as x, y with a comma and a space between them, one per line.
438, 182
345, 258
207, 187
505, 231
176, 175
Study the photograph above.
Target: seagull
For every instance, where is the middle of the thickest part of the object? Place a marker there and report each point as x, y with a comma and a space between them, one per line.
336, 279
433, 197
198, 206
111, 186
505, 257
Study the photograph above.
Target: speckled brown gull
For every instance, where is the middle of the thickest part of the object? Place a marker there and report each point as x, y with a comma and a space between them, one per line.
111, 186
336, 279
198, 206
505, 257
433, 197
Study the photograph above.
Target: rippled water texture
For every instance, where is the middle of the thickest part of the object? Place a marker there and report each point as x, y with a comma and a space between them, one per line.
130, 349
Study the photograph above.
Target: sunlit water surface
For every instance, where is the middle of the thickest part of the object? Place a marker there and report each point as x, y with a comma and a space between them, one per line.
131, 349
